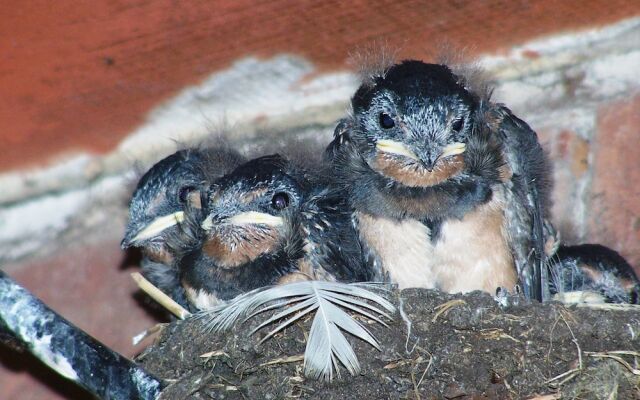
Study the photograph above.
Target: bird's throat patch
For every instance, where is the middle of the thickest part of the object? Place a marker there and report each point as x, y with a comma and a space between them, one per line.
412, 174
232, 248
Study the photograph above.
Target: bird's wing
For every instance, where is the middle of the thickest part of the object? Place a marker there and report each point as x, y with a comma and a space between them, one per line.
332, 242
527, 185
340, 137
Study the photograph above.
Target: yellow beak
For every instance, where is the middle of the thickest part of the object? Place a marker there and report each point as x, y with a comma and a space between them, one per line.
453, 149
246, 218
158, 225
393, 147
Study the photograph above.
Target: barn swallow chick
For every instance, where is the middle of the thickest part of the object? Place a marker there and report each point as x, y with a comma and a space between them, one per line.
268, 224
592, 273
447, 187
158, 207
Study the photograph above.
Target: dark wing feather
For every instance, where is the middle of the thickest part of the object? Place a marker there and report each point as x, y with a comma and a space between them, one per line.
340, 137
333, 238
527, 197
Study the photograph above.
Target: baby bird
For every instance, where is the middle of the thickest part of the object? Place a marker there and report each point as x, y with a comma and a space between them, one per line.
158, 205
448, 189
268, 223
593, 273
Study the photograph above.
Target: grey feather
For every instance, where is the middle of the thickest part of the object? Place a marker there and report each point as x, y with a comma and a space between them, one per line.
327, 346
223, 316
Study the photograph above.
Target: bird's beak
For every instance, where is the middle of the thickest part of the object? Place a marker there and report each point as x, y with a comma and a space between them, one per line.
156, 227
252, 217
207, 224
453, 149
245, 218
394, 147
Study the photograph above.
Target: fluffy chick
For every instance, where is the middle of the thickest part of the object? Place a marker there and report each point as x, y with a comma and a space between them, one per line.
267, 223
592, 272
448, 189
158, 205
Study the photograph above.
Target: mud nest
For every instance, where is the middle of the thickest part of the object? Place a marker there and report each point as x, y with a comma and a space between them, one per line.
458, 347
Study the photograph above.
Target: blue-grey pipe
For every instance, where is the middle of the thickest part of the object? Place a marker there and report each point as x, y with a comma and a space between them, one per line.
70, 351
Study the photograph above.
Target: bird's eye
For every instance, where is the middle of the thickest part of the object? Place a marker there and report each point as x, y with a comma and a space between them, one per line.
386, 122
184, 192
280, 201
458, 124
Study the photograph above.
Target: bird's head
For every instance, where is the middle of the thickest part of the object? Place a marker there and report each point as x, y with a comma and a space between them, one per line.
412, 123
159, 201
251, 211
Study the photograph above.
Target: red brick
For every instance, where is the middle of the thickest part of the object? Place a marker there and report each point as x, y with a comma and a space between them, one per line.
614, 211
90, 286
569, 153
82, 75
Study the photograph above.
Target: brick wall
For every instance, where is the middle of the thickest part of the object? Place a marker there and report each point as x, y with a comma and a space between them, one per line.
91, 89
80, 76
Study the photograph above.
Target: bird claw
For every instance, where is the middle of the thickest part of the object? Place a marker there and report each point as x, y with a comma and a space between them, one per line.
505, 299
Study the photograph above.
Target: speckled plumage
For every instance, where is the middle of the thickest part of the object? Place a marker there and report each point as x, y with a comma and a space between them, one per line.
164, 190
595, 269
310, 238
420, 116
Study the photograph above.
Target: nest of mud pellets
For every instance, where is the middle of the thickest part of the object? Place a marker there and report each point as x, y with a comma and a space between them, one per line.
459, 347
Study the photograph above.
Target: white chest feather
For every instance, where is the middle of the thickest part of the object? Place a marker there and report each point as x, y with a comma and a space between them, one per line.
473, 253
470, 254
403, 247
